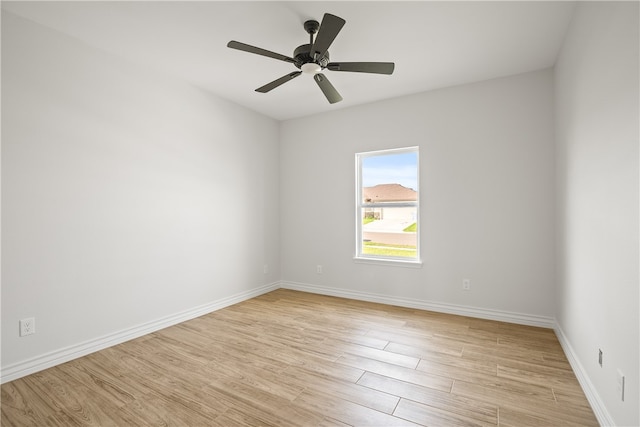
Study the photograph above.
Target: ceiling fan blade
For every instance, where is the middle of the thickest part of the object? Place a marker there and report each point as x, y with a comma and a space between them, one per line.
363, 67
327, 88
329, 29
282, 80
258, 51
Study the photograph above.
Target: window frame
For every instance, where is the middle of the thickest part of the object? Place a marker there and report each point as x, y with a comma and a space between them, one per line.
361, 205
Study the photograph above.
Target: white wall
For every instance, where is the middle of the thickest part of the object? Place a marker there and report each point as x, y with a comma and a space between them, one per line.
127, 196
487, 196
130, 197
598, 183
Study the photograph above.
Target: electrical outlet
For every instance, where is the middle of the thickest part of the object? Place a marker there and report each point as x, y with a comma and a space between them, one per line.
319, 269
265, 269
600, 357
27, 326
466, 285
620, 384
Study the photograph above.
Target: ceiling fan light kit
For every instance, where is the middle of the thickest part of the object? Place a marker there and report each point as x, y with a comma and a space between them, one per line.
311, 68
313, 58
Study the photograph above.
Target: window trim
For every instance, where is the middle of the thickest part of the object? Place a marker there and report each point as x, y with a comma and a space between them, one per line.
359, 257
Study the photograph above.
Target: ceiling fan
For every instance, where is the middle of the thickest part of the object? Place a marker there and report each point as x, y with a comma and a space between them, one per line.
313, 58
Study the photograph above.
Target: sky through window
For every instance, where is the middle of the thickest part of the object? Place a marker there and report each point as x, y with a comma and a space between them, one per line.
401, 168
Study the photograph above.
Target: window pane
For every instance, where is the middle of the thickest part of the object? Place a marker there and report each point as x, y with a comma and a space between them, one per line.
390, 231
400, 169
387, 204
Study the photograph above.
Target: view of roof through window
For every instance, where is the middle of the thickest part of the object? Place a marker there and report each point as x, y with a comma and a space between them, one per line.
389, 204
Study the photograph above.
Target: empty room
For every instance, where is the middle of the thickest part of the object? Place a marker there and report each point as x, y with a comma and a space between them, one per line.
320, 213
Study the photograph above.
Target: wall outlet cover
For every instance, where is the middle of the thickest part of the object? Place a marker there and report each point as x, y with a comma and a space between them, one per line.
27, 326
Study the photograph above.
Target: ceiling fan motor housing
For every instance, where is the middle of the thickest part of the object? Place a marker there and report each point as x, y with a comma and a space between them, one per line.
302, 55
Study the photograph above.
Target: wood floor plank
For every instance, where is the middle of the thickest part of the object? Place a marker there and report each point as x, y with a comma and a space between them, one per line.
383, 356
58, 419
534, 401
537, 374
558, 360
420, 340
238, 418
348, 412
359, 339
247, 402
495, 353
398, 372
290, 358
19, 400
231, 420
378, 400
462, 371
493, 389
77, 401
437, 354
430, 416
106, 388
573, 398
517, 416
164, 411
331, 422
334, 370
464, 407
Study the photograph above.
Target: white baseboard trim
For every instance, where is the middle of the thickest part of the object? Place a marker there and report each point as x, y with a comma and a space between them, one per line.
48, 360
599, 409
461, 310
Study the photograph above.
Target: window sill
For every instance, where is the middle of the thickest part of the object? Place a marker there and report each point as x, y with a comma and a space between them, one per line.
389, 262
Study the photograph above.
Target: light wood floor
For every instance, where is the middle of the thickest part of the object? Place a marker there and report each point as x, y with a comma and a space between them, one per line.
295, 359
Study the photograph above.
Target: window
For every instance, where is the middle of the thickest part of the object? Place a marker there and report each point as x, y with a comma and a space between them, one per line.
387, 206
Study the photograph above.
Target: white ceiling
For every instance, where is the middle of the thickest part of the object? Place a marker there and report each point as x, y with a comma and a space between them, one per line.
433, 44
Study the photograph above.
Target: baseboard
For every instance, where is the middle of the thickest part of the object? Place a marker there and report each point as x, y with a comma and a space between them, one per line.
461, 310
48, 360
599, 409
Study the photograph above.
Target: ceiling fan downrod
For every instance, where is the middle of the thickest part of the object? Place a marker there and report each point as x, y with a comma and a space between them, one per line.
311, 26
